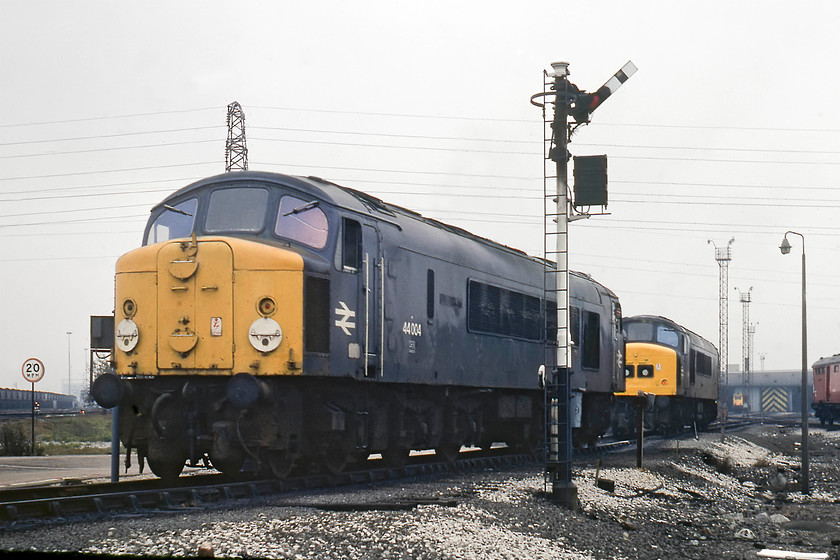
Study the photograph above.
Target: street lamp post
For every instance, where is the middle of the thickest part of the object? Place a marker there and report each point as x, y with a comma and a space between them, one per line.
785, 248
69, 382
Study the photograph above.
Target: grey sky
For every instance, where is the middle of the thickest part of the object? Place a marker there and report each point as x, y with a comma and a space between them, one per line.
729, 128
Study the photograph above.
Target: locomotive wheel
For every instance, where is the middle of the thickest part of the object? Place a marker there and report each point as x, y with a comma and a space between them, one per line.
166, 468
334, 462
448, 452
230, 465
395, 457
280, 463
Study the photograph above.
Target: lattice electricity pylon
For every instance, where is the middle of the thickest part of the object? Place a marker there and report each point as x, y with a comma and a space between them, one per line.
236, 151
723, 255
746, 339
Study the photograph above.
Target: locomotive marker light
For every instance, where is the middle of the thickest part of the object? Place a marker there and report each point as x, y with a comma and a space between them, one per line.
785, 248
569, 100
33, 371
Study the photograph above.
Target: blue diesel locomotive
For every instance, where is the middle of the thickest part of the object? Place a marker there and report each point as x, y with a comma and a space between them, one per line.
270, 321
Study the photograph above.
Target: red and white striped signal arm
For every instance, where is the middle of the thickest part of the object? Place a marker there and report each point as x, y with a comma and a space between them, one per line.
612, 85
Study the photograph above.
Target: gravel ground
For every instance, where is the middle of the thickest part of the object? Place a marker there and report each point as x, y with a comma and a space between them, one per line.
700, 499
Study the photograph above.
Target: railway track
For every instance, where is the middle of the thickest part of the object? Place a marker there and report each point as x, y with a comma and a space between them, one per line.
198, 490
64, 502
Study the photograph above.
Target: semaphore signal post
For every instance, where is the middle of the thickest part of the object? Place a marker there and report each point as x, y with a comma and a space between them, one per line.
590, 190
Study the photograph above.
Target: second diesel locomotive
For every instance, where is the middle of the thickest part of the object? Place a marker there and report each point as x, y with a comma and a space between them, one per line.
676, 370
272, 321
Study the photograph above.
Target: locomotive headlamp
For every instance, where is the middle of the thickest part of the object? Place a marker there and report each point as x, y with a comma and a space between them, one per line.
266, 307
129, 308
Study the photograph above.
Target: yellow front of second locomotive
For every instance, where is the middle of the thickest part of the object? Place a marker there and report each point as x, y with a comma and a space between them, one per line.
209, 306
649, 368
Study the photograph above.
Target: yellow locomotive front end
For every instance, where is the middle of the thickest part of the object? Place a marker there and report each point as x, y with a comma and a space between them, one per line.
649, 369
651, 373
208, 330
214, 306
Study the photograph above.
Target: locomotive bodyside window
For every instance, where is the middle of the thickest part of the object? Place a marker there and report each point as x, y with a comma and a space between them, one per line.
495, 310
237, 209
574, 325
550, 320
430, 293
591, 340
316, 314
174, 222
301, 221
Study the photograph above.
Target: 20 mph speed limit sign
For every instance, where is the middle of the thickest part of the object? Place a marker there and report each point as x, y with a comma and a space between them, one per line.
33, 370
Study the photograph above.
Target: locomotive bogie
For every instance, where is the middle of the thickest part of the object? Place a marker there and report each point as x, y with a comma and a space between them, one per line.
296, 421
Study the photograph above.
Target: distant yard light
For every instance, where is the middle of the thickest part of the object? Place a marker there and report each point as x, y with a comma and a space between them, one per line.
785, 246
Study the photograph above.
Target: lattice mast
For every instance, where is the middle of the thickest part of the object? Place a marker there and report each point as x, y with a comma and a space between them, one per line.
236, 150
723, 255
746, 341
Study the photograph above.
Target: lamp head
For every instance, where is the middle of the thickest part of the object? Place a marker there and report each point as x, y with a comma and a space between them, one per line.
785, 246
559, 69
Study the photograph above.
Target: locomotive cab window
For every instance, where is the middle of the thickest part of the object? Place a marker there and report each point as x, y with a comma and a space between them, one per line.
303, 221
174, 222
240, 209
638, 332
351, 246
668, 337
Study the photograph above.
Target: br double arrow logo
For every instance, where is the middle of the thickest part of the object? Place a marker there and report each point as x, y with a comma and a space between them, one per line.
345, 318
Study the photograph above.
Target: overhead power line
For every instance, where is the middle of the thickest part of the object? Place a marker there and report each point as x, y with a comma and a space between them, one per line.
109, 117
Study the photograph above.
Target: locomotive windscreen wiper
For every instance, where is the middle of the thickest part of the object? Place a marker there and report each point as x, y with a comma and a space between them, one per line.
304, 208
176, 210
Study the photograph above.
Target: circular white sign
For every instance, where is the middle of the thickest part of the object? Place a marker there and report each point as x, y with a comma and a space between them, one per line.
265, 334
127, 335
33, 370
